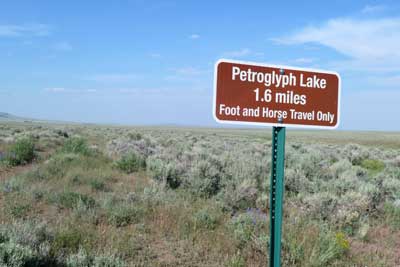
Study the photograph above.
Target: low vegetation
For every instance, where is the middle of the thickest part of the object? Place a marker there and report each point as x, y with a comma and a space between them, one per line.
111, 196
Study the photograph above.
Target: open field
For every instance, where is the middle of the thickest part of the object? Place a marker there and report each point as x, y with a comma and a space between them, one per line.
89, 195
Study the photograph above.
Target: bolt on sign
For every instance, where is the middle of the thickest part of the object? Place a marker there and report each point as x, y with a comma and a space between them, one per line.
264, 94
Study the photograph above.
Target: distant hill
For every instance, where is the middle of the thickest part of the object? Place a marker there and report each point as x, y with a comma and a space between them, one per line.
7, 117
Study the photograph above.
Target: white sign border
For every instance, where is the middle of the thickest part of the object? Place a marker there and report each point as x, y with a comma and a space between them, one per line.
268, 123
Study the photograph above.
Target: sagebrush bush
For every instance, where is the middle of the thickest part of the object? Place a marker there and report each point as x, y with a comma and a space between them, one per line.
83, 259
25, 244
15, 255
166, 173
205, 178
246, 227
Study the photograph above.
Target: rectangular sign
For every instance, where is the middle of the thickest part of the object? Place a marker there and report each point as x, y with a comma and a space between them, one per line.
263, 94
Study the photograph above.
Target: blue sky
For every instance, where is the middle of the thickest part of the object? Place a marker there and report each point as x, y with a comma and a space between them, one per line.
151, 62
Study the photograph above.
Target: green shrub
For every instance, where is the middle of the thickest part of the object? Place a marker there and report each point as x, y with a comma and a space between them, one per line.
98, 185
76, 145
22, 152
373, 165
67, 241
131, 163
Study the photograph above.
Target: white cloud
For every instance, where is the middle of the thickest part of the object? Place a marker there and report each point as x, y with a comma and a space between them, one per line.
373, 9
62, 46
113, 77
194, 36
369, 43
10, 30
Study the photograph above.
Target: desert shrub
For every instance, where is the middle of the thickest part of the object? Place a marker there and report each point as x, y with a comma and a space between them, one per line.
85, 213
239, 197
321, 205
25, 244
296, 181
204, 219
83, 259
246, 227
131, 163
331, 247
392, 215
373, 165
80, 259
355, 153
121, 213
312, 243
167, 173
98, 185
15, 255
339, 167
76, 145
15, 184
68, 240
391, 186
135, 135
68, 199
22, 152
205, 178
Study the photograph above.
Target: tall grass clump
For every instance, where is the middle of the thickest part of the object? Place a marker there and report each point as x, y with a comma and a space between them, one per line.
76, 145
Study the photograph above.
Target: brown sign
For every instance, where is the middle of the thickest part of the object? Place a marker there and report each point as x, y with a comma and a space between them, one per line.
252, 93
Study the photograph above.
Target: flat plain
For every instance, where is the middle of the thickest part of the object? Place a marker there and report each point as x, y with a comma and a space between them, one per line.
98, 195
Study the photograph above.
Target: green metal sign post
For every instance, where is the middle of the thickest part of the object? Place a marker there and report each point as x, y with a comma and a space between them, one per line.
276, 195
